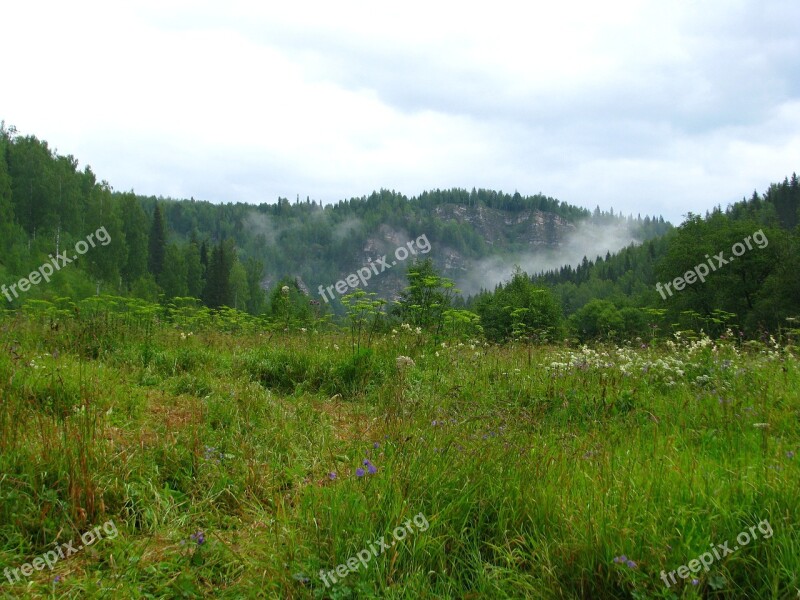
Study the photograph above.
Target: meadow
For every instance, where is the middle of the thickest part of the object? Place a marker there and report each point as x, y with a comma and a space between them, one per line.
239, 459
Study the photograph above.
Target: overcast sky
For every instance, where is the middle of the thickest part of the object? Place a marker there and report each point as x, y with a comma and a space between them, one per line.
660, 107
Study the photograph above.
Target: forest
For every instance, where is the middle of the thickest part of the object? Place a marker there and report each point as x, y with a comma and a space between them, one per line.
241, 256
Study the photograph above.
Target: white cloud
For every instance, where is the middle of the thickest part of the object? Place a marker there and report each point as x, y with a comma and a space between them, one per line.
641, 105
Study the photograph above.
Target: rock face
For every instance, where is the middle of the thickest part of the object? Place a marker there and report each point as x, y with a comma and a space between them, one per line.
301, 285
455, 233
530, 228
519, 231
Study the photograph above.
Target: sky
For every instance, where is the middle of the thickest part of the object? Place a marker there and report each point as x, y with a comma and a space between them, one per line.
646, 107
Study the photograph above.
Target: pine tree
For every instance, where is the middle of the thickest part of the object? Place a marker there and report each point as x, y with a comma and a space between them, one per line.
194, 270
134, 226
218, 286
157, 246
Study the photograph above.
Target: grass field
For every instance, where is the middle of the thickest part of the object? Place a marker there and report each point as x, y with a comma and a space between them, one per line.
239, 462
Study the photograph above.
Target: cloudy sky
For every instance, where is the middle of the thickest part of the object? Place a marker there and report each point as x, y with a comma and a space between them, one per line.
647, 107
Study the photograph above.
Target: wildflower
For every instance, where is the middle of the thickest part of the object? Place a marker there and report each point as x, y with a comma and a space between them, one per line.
371, 469
631, 564
695, 581
790, 454
761, 425
199, 537
360, 472
404, 361
418, 330
620, 559
376, 445
211, 453
331, 475
285, 290
57, 578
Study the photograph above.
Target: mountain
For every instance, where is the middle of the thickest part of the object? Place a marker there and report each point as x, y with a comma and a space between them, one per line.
231, 253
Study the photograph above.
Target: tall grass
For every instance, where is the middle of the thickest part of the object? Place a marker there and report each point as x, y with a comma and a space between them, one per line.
534, 474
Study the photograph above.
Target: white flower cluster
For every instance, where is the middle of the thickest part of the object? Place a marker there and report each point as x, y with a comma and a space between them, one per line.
668, 369
404, 361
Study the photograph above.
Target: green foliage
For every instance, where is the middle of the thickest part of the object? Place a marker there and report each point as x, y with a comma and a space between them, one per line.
363, 313
461, 324
599, 319
218, 291
157, 244
195, 275
426, 298
173, 275
289, 307
134, 227
520, 310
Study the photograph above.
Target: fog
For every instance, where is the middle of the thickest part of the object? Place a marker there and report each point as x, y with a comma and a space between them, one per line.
589, 239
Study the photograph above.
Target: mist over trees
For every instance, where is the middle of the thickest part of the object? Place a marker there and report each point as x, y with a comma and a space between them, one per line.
241, 256
759, 291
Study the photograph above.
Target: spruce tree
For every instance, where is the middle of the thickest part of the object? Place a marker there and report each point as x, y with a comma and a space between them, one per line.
157, 246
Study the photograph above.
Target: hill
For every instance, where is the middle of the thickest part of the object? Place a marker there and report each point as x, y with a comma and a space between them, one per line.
164, 247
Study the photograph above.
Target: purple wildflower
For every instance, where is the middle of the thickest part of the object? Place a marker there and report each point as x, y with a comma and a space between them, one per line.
376, 445
57, 578
695, 581
199, 537
360, 472
620, 559
631, 564
331, 475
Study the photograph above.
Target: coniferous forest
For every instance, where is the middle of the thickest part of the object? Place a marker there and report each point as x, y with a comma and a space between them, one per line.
182, 415
239, 255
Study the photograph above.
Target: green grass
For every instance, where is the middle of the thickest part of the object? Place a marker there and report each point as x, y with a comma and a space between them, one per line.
532, 477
